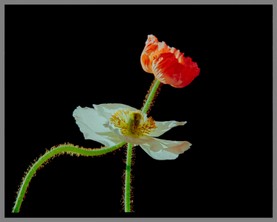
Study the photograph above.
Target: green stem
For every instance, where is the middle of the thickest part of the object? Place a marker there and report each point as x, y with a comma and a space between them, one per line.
127, 194
151, 96
61, 149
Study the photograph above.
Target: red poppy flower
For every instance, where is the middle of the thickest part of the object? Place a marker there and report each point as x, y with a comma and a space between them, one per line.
168, 64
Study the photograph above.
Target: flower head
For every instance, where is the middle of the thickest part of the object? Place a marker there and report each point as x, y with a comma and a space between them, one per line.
168, 64
113, 123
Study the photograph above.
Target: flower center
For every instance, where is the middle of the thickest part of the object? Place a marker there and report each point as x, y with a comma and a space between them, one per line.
132, 123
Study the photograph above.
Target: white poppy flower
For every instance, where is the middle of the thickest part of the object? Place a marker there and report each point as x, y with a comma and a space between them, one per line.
114, 123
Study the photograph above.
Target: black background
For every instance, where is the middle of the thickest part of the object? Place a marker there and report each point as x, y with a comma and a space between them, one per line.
60, 57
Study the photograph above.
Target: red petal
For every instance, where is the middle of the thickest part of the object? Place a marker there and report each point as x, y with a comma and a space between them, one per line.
168, 70
167, 63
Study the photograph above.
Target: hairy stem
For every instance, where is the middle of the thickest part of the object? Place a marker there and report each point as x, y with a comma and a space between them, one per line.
127, 194
60, 149
146, 106
151, 95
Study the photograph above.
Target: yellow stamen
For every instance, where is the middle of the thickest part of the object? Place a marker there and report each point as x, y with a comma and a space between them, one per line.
132, 123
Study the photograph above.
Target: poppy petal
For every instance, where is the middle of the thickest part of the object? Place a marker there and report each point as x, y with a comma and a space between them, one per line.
165, 149
108, 109
168, 64
164, 126
91, 124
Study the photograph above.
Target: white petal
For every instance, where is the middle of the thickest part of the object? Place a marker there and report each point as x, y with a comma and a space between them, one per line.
91, 124
164, 126
165, 149
108, 109
137, 140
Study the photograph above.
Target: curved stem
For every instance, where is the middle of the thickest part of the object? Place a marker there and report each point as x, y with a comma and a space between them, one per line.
61, 149
127, 194
151, 95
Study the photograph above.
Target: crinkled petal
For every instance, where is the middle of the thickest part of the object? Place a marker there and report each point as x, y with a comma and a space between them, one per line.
108, 109
169, 70
165, 149
164, 126
151, 46
168, 64
91, 124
